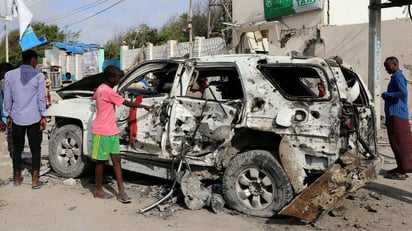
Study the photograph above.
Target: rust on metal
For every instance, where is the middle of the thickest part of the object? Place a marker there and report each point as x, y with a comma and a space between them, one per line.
347, 175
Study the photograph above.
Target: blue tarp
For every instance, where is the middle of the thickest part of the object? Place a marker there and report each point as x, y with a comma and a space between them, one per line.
77, 48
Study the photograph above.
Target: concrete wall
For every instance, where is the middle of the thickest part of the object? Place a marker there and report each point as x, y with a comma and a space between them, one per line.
248, 15
351, 43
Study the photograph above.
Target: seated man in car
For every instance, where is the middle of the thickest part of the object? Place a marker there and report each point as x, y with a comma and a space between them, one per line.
198, 88
147, 84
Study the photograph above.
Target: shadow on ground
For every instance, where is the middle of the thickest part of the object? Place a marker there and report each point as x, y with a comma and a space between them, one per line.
389, 191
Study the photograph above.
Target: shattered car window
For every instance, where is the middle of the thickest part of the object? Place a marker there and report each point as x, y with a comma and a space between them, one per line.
297, 82
215, 84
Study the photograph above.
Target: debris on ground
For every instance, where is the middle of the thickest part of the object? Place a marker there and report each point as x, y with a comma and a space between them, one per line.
69, 182
338, 211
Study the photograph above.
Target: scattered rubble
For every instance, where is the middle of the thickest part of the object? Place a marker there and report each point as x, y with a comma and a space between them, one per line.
338, 211
69, 182
375, 195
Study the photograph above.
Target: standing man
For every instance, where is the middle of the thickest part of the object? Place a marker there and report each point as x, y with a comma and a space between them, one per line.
25, 108
105, 134
397, 120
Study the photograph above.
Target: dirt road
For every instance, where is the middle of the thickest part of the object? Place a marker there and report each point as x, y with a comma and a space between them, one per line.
382, 205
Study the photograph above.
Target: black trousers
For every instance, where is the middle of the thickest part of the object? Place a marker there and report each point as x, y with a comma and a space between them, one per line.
35, 137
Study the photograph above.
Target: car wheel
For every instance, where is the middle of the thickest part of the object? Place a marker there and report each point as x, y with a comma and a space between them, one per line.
65, 152
254, 183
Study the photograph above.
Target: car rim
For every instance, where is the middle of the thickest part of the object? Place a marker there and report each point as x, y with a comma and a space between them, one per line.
68, 152
255, 188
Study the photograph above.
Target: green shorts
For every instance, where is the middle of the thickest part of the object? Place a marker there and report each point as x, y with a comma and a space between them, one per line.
103, 146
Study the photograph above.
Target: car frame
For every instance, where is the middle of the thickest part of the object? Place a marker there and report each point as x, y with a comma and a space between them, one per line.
259, 126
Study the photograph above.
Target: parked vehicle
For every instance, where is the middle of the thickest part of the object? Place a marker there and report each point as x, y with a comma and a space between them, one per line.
255, 122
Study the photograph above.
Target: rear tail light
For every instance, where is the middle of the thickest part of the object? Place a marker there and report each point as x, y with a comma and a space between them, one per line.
348, 119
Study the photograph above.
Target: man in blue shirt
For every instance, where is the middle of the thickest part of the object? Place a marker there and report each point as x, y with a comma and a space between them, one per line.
25, 108
397, 120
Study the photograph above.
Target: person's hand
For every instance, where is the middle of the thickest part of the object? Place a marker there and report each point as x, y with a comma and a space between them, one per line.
148, 108
8, 122
43, 123
2, 126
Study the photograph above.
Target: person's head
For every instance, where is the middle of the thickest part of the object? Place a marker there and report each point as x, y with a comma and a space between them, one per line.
321, 89
5, 67
153, 80
112, 75
202, 82
391, 64
30, 57
68, 76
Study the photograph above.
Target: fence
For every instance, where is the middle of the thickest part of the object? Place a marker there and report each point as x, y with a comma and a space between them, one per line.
201, 47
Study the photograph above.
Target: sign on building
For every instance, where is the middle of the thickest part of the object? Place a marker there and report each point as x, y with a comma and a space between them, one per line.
278, 8
91, 62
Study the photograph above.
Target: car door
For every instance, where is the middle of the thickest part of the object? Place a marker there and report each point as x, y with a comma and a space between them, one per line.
203, 115
141, 130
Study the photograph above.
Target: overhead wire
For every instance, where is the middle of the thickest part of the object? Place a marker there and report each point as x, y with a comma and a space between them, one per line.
99, 12
74, 11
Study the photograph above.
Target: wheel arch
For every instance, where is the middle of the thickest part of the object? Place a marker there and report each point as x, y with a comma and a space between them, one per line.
246, 139
66, 149
61, 121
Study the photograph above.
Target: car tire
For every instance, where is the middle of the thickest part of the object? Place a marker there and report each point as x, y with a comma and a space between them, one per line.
254, 183
65, 152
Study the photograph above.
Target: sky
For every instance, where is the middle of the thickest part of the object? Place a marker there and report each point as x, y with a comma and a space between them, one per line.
100, 20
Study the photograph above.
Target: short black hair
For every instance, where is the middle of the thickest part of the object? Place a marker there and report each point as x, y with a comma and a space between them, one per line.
111, 71
392, 59
5, 66
27, 55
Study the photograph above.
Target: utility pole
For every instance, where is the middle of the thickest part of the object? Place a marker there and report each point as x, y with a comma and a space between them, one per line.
6, 29
7, 18
6, 40
212, 3
374, 54
190, 30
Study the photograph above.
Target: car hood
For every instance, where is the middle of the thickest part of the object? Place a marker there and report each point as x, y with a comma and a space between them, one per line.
82, 88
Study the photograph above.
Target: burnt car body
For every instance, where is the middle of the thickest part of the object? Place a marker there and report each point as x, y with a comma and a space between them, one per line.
260, 126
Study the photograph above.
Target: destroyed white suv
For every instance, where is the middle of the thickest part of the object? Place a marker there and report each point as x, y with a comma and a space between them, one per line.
259, 125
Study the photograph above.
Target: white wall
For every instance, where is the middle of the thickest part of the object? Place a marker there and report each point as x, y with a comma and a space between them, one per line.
250, 12
345, 12
341, 12
248, 16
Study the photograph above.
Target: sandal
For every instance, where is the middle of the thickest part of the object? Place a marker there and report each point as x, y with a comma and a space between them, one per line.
105, 196
123, 198
396, 176
39, 185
